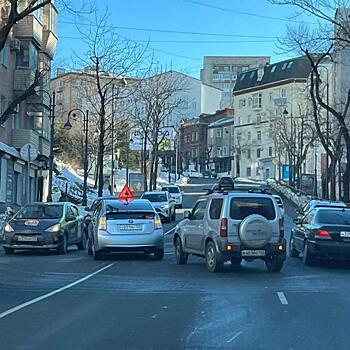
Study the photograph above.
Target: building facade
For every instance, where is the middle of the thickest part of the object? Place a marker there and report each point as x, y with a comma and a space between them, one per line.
30, 48
222, 72
194, 148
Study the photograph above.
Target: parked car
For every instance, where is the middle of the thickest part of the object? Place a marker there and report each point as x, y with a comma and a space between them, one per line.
319, 203
131, 226
163, 203
175, 193
192, 174
280, 204
45, 226
231, 226
210, 173
322, 232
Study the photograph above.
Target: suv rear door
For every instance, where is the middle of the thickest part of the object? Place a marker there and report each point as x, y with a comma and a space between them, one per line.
194, 228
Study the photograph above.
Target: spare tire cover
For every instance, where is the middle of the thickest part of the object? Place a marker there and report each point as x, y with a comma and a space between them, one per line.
255, 231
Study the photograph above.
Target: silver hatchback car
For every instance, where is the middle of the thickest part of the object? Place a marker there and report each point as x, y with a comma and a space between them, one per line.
119, 226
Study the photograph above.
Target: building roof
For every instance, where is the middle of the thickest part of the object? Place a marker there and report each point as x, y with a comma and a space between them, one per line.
221, 122
296, 68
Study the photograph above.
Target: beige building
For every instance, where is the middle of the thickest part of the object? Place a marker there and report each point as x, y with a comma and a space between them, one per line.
30, 47
222, 72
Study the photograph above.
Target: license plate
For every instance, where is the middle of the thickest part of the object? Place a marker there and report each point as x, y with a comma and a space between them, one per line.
253, 252
31, 223
130, 227
345, 234
27, 238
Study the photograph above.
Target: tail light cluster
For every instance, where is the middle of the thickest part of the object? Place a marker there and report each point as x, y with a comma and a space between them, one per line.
102, 224
322, 234
281, 225
223, 227
157, 222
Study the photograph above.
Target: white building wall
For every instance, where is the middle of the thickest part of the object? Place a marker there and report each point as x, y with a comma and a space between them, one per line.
210, 99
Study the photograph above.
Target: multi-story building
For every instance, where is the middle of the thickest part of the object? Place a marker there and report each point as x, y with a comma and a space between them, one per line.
194, 148
221, 145
30, 47
270, 104
222, 72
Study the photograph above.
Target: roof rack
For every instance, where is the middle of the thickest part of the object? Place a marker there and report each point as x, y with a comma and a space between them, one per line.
220, 189
260, 190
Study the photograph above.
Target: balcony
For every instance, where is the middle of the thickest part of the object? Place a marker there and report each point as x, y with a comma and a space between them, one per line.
44, 148
49, 43
24, 77
29, 28
20, 137
256, 142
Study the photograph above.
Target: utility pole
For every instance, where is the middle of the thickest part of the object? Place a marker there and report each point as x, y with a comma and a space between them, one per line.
112, 142
52, 139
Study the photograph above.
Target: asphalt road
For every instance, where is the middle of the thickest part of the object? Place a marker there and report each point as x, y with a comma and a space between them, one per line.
133, 302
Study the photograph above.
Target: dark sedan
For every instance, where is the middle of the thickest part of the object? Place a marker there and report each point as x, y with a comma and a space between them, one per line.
45, 226
322, 232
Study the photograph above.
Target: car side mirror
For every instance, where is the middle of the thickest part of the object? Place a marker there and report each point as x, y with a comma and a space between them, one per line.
70, 218
187, 214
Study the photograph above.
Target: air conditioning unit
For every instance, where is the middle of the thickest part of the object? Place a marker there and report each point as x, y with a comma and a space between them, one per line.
15, 45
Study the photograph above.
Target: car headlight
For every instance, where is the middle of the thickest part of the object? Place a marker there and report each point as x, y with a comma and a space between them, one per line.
8, 228
166, 206
54, 228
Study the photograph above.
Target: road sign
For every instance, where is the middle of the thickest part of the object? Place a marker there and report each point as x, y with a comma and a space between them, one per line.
126, 194
29, 152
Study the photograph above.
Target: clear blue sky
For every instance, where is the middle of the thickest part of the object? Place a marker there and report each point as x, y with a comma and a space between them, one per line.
189, 16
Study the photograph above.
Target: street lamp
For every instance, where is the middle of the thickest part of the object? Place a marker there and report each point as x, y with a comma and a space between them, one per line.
67, 126
52, 105
285, 113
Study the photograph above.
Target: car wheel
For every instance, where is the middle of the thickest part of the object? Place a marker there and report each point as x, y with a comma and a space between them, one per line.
292, 251
236, 261
158, 253
63, 245
98, 255
211, 259
307, 257
9, 251
89, 247
274, 264
82, 244
181, 256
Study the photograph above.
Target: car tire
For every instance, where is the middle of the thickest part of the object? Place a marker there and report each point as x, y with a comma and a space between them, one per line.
235, 262
98, 255
211, 258
158, 254
181, 256
307, 259
63, 245
82, 244
9, 251
293, 253
274, 264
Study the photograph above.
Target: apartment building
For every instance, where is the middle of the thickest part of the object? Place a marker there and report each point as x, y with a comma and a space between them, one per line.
30, 47
263, 97
194, 148
222, 72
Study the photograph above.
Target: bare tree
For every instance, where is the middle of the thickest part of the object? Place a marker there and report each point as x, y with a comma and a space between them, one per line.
331, 36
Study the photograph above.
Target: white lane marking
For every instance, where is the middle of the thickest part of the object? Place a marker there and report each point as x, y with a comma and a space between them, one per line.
45, 296
171, 230
234, 337
282, 298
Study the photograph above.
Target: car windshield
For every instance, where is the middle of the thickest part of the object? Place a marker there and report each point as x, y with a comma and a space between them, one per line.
171, 189
156, 197
242, 207
37, 211
333, 217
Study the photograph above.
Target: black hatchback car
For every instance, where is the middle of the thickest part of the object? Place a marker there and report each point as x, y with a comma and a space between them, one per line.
45, 226
322, 232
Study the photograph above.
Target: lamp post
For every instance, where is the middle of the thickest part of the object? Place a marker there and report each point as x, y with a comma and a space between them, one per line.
290, 180
68, 126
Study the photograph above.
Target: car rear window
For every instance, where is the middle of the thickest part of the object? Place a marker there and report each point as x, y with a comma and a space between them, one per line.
155, 197
242, 207
125, 215
333, 217
171, 189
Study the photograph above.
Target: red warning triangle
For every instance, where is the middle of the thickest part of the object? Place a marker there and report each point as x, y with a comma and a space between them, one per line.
126, 194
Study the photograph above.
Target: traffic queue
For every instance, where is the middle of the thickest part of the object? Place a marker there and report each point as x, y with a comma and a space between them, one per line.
225, 224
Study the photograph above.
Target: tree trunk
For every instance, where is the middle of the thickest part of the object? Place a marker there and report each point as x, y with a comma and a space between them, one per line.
332, 177
144, 160
101, 149
96, 175
346, 175
155, 170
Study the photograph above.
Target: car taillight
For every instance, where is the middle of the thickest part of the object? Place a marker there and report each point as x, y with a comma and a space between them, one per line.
322, 234
157, 223
102, 224
223, 227
281, 225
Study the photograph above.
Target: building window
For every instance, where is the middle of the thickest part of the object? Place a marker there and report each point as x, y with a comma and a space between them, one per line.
249, 171
4, 55
283, 93
226, 132
250, 101
218, 132
258, 135
284, 65
271, 97
211, 133
273, 68
28, 55
193, 136
197, 135
270, 151
248, 154
241, 103
258, 153
258, 119
249, 135
224, 151
257, 171
257, 100
249, 119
